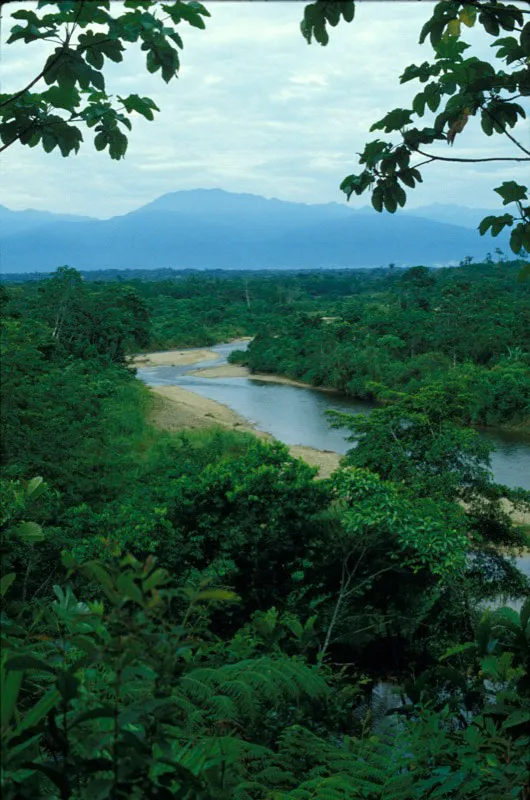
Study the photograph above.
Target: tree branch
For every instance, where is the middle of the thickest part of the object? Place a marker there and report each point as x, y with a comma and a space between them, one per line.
32, 83
344, 584
74, 23
43, 72
5, 146
490, 6
432, 157
422, 163
504, 130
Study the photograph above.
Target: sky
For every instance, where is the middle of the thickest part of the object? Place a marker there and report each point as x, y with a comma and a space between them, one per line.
255, 109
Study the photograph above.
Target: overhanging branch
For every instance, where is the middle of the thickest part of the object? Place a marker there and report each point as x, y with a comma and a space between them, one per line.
432, 157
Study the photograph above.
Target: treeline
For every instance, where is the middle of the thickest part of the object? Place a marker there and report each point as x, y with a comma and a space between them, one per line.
190, 308
367, 333
205, 308
194, 615
467, 330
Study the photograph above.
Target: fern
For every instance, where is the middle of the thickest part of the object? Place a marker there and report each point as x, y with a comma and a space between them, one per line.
344, 769
223, 707
240, 692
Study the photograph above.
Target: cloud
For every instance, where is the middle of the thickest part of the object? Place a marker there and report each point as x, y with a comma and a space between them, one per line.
254, 109
308, 80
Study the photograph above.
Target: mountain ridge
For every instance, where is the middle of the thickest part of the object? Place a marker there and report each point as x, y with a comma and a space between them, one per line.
213, 228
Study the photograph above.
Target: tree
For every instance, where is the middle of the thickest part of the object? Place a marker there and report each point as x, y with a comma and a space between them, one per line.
86, 35
90, 712
415, 441
455, 87
250, 519
384, 538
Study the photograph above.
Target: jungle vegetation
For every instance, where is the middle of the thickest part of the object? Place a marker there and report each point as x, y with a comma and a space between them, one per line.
463, 332
194, 615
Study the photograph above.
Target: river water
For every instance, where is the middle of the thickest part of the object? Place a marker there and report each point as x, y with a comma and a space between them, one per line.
297, 415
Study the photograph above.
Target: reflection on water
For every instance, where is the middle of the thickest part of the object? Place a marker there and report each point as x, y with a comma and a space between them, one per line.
523, 564
510, 461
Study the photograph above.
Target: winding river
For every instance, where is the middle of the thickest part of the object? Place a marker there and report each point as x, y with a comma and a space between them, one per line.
296, 415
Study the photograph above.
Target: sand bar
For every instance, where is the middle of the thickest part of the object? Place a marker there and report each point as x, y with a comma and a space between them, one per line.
173, 358
327, 461
175, 409
237, 371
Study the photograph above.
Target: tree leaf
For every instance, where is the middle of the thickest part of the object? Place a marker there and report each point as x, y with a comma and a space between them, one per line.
29, 532
127, 587
6, 581
468, 15
26, 662
102, 712
220, 595
11, 683
510, 191
37, 712
35, 487
520, 717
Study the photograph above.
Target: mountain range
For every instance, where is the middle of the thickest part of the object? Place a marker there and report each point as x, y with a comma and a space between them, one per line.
215, 229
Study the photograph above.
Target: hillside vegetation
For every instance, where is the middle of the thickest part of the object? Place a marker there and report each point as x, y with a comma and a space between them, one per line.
191, 614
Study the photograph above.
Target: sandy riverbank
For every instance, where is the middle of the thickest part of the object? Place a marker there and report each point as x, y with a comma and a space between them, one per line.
327, 461
173, 358
175, 408
236, 371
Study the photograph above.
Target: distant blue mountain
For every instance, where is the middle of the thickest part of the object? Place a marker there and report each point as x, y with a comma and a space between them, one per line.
214, 229
454, 215
12, 222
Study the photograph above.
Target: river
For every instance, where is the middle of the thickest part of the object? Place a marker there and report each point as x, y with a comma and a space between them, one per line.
296, 415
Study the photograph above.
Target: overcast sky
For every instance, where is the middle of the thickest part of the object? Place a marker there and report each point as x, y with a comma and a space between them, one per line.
255, 109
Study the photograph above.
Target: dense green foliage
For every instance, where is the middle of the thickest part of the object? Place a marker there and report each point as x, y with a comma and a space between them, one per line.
73, 99
194, 615
464, 333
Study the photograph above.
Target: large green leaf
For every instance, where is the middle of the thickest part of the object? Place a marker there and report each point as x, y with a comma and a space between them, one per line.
38, 711
28, 532
5, 582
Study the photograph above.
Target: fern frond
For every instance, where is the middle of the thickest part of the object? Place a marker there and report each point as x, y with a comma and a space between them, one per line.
275, 776
242, 694
195, 687
185, 706
223, 707
338, 787
250, 790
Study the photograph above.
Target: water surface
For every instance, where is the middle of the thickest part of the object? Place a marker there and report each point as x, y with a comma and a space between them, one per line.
297, 415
